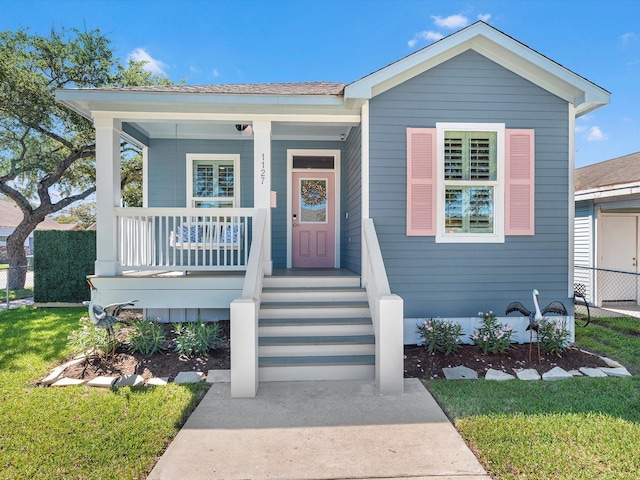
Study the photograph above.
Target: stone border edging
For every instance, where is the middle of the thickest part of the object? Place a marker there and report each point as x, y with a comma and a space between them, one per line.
56, 378
614, 369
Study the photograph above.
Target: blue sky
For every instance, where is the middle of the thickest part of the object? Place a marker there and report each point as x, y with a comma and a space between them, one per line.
251, 41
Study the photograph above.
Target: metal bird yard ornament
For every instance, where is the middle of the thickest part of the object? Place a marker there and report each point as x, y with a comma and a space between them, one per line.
536, 316
105, 317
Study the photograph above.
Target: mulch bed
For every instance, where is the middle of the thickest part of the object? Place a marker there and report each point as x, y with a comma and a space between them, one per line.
418, 362
167, 364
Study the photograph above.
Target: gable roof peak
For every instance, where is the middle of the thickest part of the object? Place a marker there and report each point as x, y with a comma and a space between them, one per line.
496, 46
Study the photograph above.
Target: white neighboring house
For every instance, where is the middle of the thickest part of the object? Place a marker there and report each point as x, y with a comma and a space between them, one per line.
10, 218
607, 236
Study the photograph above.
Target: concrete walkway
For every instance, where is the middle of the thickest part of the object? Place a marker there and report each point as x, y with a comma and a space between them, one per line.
318, 430
23, 302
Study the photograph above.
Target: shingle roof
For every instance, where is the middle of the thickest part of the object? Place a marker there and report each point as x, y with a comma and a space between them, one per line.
11, 216
616, 171
296, 88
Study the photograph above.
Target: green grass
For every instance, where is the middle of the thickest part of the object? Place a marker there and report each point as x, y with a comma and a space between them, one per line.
76, 432
582, 428
617, 338
16, 294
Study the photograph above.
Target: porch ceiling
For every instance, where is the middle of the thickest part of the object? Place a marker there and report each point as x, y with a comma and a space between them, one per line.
207, 130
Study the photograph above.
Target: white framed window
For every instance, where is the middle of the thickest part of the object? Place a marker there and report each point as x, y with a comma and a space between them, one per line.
470, 183
213, 180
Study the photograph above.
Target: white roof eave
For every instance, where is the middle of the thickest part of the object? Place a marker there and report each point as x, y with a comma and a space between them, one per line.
87, 101
621, 189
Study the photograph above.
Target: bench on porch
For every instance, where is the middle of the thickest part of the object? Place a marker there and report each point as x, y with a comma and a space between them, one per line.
210, 236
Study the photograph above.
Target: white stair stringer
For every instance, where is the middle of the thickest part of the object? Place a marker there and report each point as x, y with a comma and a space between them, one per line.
315, 328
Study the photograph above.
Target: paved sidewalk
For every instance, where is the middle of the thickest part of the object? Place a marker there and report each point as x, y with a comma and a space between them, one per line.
318, 430
16, 303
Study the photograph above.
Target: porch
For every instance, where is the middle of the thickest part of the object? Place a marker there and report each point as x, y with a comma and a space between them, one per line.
303, 324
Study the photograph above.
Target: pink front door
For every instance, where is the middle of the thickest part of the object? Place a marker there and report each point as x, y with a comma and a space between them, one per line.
314, 222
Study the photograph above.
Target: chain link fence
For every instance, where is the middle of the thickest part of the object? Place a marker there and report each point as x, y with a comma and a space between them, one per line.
16, 285
609, 290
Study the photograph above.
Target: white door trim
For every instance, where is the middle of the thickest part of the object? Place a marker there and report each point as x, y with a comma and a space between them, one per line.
336, 170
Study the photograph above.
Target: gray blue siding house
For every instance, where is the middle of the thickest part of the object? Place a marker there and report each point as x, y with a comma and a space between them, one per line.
438, 186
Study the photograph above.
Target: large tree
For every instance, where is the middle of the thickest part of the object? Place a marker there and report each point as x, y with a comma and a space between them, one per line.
47, 152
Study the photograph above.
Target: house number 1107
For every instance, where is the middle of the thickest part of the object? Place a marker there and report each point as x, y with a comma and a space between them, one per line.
263, 172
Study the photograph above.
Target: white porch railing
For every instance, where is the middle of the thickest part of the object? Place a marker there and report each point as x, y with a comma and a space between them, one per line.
244, 316
184, 238
386, 312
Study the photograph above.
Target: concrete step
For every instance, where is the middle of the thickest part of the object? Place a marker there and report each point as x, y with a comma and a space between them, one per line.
340, 367
317, 345
323, 294
300, 327
314, 309
311, 281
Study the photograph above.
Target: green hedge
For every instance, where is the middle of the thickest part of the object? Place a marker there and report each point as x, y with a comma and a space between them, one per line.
62, 259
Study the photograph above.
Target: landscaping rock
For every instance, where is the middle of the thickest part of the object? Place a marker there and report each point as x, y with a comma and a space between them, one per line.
219, 376
104, 382
158, 381
616, 372
592, 372
189, 377
59, 370
611, 363
129, 381
555, 374
527, 374
459, 373
66, 382
575, 373
498, 375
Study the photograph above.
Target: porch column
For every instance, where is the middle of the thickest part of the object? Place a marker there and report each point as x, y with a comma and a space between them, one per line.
108, 132
262, 181
364, 172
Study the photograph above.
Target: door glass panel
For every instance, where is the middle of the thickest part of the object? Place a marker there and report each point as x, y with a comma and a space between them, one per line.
308, 161
313, 201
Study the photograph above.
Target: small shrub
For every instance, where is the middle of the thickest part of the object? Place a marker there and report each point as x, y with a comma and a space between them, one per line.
492, 336
195, 338
146, 337
553, 336
89, 338
440, 336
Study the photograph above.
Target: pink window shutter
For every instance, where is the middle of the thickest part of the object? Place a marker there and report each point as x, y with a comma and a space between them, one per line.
421, 181
520, 179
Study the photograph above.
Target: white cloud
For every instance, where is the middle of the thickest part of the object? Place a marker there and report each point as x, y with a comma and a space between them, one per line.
450, 22
581, 128
596, 135
215, 73
428, 35
629, 37
151, 64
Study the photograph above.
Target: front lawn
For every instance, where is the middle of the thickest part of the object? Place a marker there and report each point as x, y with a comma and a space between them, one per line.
76, 432
582, 428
